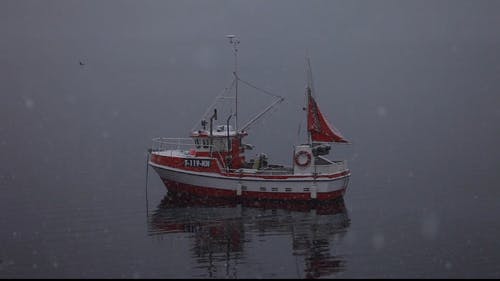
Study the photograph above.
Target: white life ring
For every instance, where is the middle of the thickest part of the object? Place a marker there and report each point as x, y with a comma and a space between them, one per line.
299, 159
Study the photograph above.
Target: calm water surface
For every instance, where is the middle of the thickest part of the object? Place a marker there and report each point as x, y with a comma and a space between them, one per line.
92, 222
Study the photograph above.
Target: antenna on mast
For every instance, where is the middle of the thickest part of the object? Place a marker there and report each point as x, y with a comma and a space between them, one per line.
235, 41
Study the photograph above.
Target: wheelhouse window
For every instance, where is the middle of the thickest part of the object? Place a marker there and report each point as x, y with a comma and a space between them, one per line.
205, 143
201, 143
218, 144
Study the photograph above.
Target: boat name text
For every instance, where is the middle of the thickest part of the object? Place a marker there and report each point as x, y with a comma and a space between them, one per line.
196, 163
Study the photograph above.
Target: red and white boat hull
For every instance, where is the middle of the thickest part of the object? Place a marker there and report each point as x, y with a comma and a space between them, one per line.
249, 186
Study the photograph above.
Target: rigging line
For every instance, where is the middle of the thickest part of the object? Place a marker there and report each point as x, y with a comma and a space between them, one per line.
147, 174
221, 95
258, 89
305, 109
299, 131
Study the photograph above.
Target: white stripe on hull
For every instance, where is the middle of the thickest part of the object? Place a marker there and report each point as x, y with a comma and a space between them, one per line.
290, 185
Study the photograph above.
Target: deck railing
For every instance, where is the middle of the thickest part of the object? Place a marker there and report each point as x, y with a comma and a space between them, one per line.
162, 144
336, 166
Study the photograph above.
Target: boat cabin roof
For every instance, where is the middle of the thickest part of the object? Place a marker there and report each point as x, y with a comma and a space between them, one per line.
218, 131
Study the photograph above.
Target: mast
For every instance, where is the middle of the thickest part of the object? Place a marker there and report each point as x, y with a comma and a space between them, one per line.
234, 41
308, 94
235, 83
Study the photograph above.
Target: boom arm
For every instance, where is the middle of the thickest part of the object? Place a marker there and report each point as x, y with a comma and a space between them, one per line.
279, 100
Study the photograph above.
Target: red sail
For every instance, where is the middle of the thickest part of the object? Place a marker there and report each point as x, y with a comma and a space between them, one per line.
320, 129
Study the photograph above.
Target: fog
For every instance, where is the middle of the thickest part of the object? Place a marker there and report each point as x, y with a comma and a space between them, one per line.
85, 86
414, 80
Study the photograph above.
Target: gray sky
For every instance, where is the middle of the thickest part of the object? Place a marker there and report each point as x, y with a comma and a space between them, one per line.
392, 76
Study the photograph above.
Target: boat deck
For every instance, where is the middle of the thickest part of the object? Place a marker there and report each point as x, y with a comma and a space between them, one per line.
267, 171
323, 165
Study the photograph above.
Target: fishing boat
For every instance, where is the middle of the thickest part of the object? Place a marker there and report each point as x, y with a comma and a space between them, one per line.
211, 162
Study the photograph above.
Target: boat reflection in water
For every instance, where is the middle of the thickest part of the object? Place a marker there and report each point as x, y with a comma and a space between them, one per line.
223, 232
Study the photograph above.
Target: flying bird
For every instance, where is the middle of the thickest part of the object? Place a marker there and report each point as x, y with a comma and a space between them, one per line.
81, 63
